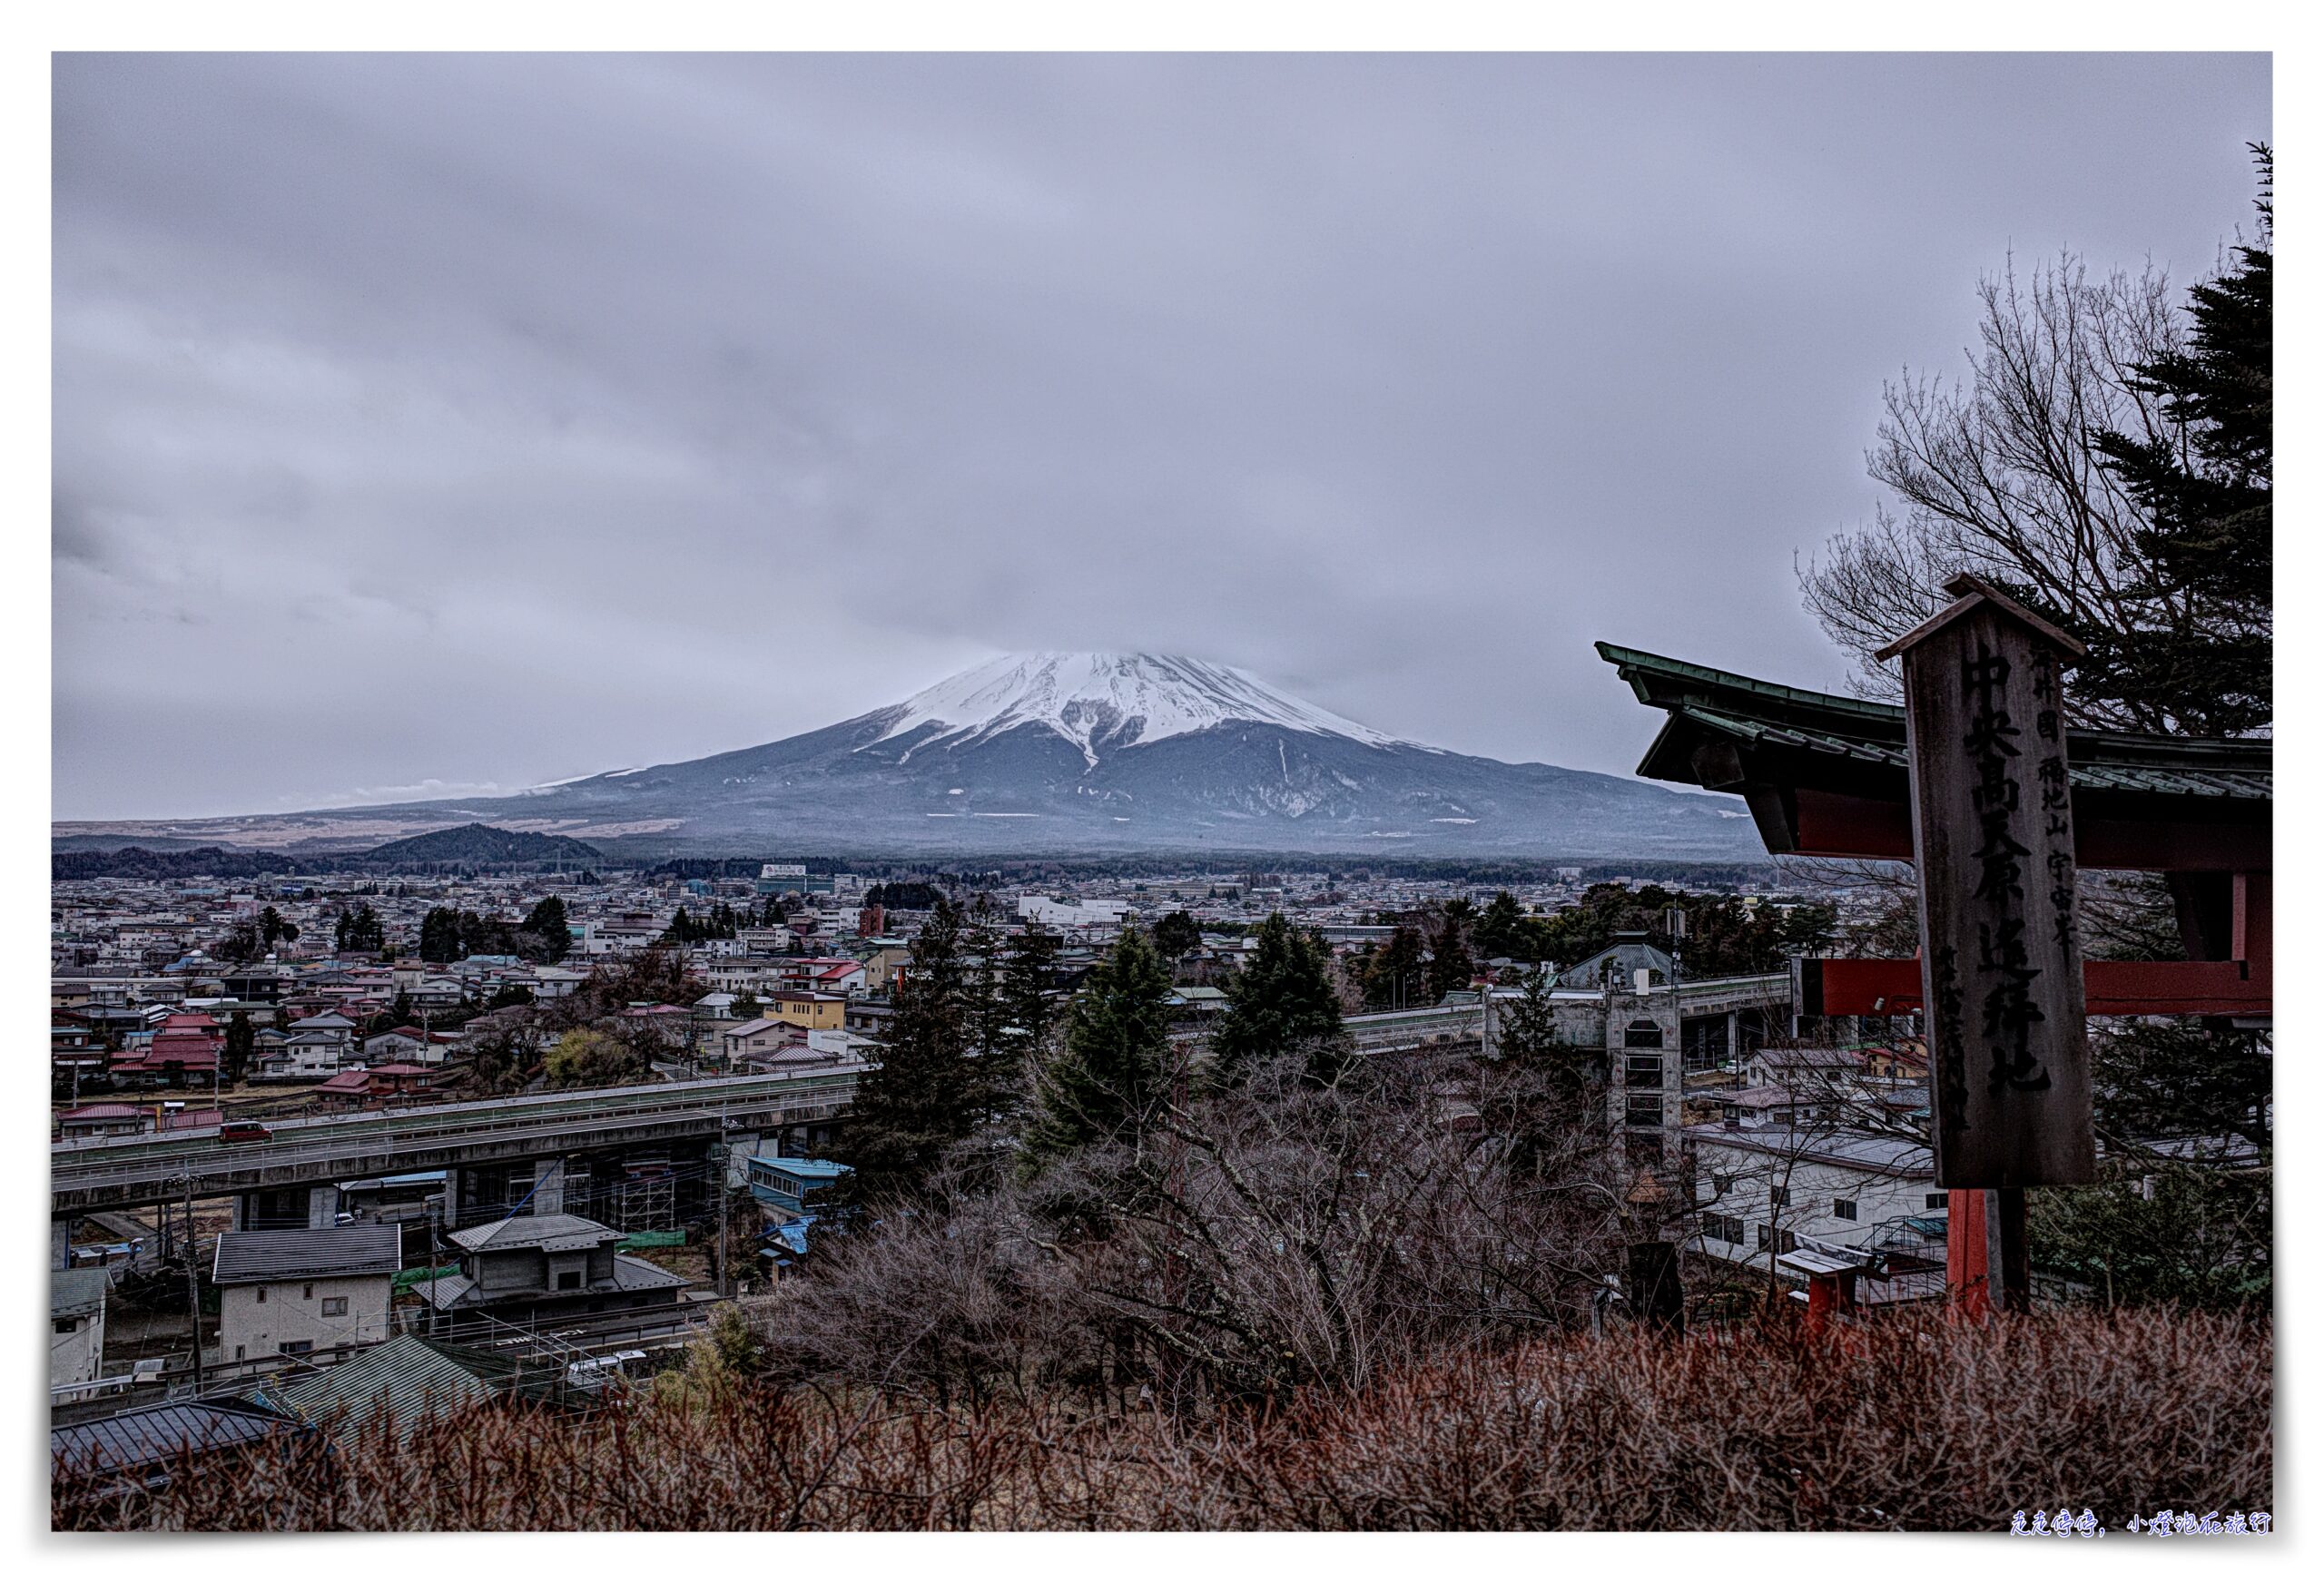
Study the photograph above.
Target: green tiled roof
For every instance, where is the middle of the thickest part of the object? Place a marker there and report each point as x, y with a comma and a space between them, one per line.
409, 1377
1744, 709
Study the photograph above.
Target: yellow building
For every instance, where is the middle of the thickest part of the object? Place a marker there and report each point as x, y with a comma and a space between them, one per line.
806, 1010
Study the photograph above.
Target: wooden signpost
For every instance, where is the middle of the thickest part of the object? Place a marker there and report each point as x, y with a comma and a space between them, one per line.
2001, 962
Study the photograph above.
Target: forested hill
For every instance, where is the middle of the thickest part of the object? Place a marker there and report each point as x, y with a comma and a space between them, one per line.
483, 843
199, 862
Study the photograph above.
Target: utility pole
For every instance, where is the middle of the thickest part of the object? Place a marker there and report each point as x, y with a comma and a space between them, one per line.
435, 1262
726, 1286
192, 1281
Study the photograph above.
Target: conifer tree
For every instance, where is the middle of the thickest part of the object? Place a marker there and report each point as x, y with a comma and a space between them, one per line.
1500, 931
440, 935
1027, 1014
1449, 964
1393, 978
2200, 646
1176, 934
242, 1040
1110, 1074
921, 1099
1282, 1000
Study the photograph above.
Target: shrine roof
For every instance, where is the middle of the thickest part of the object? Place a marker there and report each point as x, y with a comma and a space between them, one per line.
1707, 706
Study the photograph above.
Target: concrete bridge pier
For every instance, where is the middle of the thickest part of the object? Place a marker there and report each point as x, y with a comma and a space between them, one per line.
548, 1187
740, 1149
60, 1243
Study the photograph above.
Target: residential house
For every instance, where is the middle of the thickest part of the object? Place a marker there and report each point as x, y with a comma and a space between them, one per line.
77, 1323
764, 1039
885, 967
186, 1045
551, 983
398, 1044
805, 1009
837, 977
362, 1085
540, 1269
103, 1120
868, 1018
257, 981
319, 1045
291, 1291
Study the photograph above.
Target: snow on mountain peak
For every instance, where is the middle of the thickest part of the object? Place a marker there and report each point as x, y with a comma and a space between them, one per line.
1116, 700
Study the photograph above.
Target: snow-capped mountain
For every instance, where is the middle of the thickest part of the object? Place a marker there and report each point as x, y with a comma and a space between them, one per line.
1073, 752
1109, 700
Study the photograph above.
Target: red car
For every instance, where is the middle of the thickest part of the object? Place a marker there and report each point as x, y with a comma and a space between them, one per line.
243, 1132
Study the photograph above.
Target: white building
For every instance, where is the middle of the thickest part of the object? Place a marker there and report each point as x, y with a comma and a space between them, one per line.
1043, 910
1759, 1190
77, 1323
292, 1293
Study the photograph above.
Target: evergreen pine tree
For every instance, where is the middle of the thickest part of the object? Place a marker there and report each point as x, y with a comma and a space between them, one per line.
1501, 932
360, 930
1449, 964
1176, 934
1283, 999
242, 1040
547, 920
910, 1109
996, 1058
1110, 1074
440, 935
2203, 646
1393, 979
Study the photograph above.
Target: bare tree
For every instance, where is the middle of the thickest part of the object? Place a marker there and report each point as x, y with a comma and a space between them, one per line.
2003, 477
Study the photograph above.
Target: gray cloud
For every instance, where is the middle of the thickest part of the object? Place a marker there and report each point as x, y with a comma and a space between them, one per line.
480, 421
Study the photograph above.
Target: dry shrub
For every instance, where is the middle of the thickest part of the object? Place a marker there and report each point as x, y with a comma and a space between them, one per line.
1915, 1424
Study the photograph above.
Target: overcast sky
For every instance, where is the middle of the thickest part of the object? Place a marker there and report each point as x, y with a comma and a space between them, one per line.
443, 422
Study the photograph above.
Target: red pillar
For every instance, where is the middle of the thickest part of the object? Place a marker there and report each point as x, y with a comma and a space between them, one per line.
1967, 1256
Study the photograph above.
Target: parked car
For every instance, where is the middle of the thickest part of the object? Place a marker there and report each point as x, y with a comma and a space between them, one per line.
243, 1132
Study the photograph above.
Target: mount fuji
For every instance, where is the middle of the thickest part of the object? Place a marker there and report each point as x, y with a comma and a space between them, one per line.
1068, 753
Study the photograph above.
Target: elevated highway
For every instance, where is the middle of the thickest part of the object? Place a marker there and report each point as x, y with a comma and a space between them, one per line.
90, 1175
1432, 1026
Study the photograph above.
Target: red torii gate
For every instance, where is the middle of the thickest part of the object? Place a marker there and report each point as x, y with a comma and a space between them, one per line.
1830, 776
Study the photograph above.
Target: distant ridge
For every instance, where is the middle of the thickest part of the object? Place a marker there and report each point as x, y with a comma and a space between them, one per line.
1053, 755
199, 862
483, 843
